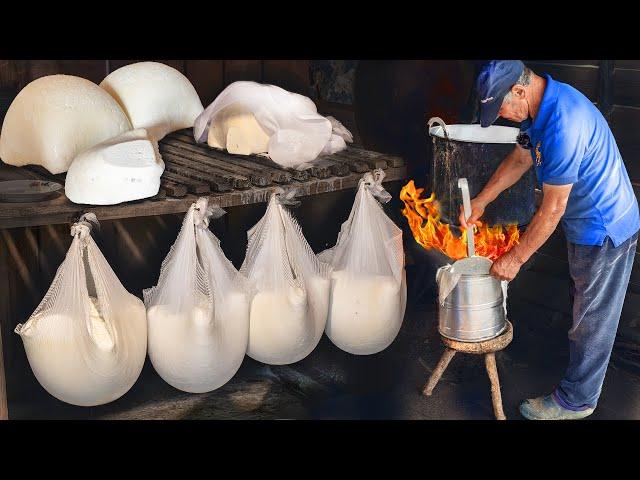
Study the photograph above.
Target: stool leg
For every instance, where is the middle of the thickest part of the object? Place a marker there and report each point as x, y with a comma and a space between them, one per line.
439, 370
496, 397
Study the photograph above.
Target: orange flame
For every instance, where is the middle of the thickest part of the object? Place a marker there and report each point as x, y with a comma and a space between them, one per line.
424, 219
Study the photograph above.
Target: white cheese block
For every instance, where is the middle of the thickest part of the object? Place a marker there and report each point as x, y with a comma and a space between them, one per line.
56, 117
127, 167
296, 133
155, 96
237, 130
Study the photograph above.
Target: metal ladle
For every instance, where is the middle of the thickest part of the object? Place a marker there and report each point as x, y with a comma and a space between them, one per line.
473, 264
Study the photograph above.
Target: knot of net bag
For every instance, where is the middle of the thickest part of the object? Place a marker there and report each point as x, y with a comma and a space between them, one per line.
286, 196
83, 226
372, 181
203, 212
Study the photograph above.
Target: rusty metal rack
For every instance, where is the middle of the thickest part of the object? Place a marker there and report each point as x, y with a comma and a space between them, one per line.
193, 170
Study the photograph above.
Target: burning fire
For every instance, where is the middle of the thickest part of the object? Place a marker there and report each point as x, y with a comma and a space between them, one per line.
430, 232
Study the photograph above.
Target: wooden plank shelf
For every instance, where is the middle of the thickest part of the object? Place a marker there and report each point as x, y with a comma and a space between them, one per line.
193, 170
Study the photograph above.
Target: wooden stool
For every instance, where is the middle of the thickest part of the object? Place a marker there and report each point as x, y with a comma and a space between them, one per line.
486, 348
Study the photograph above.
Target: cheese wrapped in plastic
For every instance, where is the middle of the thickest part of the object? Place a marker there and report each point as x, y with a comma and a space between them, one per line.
253, 118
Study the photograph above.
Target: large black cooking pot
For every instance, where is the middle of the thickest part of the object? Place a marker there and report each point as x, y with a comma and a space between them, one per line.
474, 152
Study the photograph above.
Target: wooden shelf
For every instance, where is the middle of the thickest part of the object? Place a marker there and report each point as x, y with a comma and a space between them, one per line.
191, 166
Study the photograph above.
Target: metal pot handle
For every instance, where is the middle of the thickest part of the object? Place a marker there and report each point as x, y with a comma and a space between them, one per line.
466, 202
438, 120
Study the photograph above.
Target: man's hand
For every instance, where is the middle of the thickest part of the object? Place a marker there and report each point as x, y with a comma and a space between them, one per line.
506, 267
477, 210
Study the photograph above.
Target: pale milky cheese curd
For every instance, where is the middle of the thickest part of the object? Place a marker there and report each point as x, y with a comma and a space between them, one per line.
195, 352
86, 373
365, 312
287, 325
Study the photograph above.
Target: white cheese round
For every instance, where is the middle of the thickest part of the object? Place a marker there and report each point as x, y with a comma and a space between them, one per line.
155, 96
56, 117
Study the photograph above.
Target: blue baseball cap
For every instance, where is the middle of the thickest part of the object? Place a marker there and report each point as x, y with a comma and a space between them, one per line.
494, 81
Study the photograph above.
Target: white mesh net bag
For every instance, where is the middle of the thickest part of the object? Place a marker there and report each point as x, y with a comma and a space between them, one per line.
250, 118
198, 313
289, 311
87, 340
368, 282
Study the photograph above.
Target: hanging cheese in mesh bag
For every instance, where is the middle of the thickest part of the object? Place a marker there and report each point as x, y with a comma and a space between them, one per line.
289, 310
198, 313
87, 340
368, 282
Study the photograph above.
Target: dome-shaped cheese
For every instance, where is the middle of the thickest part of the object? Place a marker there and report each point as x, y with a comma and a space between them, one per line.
56, 117
155, 96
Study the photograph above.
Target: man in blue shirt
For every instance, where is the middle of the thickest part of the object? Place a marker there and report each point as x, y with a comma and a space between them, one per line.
584, 184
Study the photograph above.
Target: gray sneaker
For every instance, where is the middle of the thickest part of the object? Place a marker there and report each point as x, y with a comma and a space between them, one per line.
547, 408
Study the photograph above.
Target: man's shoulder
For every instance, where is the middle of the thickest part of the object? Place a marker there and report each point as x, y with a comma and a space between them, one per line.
572, 111
571, 102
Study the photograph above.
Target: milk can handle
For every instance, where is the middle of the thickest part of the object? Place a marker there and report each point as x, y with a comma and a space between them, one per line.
438, 120
466, 201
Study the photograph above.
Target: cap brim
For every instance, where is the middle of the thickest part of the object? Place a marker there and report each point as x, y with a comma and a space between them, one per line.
489, 112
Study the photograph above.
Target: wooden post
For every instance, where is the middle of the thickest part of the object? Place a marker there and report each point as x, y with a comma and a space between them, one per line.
496, 396
605, 88
4, 299
439, 370
4, 409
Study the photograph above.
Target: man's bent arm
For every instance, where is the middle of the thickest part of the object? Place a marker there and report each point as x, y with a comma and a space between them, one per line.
544, 222
508, 172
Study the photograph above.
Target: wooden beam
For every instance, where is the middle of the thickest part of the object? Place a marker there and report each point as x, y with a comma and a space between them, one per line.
605, 88
4, 408
4, 308
61, 210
